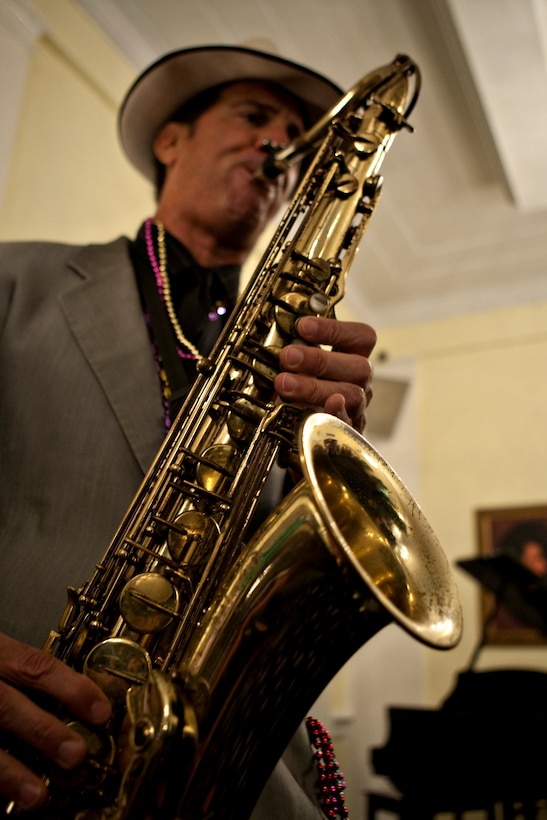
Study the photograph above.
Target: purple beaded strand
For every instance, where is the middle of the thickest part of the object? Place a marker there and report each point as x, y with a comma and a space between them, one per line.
331, 779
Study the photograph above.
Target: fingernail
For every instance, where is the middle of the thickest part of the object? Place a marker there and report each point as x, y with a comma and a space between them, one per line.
29, 795
100, 711
307, 326
289, 383
71, 752
293, 355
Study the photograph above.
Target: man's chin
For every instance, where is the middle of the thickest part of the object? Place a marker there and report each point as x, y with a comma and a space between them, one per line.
253, 211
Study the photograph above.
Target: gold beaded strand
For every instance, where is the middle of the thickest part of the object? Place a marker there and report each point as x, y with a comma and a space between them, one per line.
166, 288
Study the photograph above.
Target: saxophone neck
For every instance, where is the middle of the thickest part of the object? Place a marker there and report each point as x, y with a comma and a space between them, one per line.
377, 87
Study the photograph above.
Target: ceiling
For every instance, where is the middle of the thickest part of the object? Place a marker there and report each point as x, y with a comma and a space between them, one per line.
461, 225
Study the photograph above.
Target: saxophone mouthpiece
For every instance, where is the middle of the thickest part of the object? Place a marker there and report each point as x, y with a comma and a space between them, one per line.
272, 166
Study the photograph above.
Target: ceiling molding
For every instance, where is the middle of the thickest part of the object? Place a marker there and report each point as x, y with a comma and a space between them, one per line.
23, 21
505, 47
129, 34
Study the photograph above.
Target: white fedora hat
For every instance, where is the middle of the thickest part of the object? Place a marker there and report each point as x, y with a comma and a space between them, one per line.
178, 76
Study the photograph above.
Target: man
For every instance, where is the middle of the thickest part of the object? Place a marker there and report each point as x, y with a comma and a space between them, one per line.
86, 398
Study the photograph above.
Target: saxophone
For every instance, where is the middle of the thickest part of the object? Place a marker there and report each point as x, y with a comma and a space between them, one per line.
211, 642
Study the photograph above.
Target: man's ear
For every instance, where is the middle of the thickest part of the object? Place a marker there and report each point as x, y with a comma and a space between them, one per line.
165, 142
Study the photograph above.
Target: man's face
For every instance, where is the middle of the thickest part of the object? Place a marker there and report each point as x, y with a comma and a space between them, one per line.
211, 164
534, 558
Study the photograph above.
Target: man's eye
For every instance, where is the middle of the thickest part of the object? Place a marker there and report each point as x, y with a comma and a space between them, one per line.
254, 117
293, 131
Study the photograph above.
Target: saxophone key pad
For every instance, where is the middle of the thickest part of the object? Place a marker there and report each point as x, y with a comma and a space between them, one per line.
189, 534
117, 664
148, 602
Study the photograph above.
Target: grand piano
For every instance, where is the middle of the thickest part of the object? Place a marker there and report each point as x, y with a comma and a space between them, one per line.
485, 748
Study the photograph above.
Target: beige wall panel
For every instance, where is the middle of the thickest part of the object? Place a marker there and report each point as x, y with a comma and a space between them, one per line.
481, 409
68, 178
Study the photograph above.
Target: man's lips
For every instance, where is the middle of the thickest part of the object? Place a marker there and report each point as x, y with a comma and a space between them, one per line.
254, 165
268, 186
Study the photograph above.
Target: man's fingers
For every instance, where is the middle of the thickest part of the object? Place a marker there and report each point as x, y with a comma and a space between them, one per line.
20, 785
24, 669
36, 727
329, 365
22, 719
350, 337
347, 401
32, 669
337, 379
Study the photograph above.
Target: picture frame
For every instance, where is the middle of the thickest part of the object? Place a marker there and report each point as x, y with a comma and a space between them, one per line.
503, 531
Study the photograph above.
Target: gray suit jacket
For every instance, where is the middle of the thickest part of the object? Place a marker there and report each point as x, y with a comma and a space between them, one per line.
80, 422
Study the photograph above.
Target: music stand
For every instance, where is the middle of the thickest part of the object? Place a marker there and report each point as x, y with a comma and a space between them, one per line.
522, 592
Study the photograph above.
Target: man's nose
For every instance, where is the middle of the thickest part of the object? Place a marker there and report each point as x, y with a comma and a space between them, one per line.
275, 133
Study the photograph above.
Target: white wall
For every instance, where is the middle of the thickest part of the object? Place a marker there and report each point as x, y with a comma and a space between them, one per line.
67, 178
20, 27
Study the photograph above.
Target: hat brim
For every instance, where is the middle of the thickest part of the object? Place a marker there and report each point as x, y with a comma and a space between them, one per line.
178, 76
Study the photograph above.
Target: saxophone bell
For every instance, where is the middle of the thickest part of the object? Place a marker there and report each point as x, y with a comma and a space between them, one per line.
347, 552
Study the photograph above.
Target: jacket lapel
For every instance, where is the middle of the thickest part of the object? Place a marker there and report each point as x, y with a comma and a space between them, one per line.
106, 318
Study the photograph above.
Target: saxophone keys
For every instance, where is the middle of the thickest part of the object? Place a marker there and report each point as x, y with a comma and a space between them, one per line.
189, 535
346, 185
296, 304
101, 754
319, 303
244, 418
217, 464
115, 665
149, 602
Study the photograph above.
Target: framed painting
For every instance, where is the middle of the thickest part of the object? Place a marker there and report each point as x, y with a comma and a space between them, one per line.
514, 607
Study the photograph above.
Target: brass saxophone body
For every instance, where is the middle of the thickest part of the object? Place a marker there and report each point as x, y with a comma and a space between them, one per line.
213, 643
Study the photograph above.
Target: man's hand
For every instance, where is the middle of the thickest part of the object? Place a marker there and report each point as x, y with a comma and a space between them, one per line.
339, 380
22, 669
